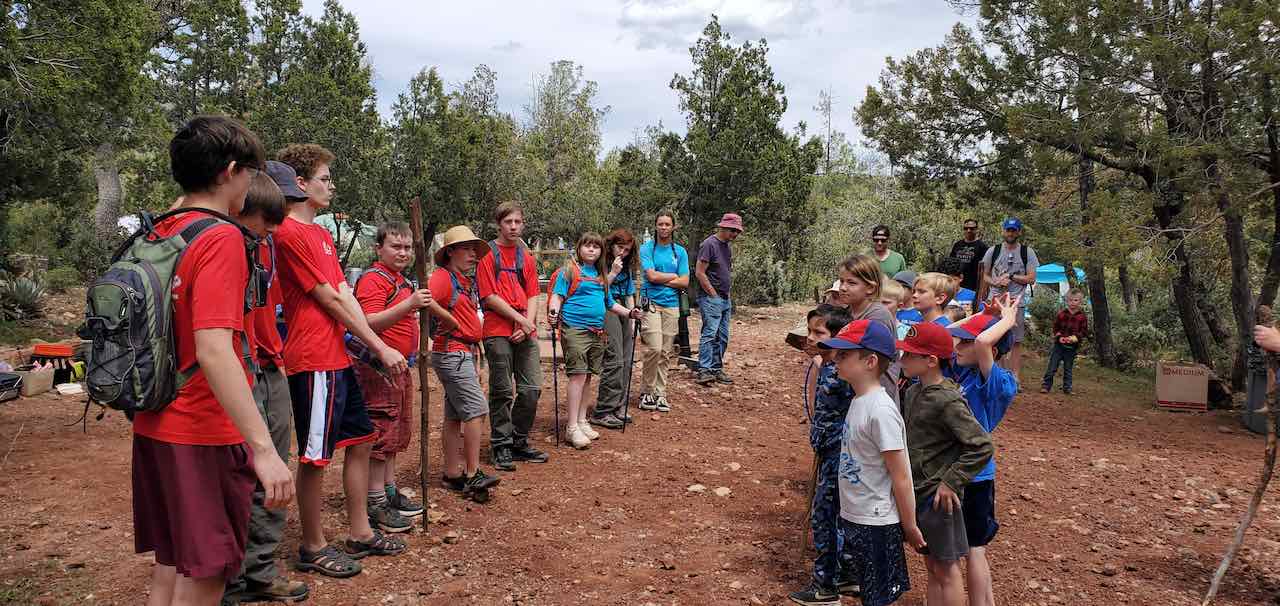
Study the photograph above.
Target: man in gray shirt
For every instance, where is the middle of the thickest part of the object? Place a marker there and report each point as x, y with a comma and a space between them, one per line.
1011, 268
713, 270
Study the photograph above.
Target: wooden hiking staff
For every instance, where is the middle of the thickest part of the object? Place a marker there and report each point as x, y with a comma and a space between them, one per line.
424, 351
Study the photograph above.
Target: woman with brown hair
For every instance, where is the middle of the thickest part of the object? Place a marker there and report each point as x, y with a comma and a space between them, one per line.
623, 261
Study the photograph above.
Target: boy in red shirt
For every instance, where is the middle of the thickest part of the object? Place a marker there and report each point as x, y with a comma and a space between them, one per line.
264, 210
507, 281
391, 304
457, 332
195, 461
328, 406
1069, 328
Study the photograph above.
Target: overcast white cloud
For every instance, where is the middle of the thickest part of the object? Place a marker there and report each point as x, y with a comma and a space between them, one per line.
633, 47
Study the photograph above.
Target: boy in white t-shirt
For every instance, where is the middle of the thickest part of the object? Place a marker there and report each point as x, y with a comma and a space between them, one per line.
877, 500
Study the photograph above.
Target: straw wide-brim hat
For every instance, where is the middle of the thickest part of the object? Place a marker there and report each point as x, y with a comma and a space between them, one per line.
460, 234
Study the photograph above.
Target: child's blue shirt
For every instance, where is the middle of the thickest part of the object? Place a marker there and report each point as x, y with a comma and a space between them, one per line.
589, 303
906, 319
988, 400
830, 407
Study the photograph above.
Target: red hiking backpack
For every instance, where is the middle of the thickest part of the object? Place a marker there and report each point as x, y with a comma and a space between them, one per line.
575, 280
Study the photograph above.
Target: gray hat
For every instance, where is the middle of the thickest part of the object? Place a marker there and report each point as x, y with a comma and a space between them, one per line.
906, 278
286, 179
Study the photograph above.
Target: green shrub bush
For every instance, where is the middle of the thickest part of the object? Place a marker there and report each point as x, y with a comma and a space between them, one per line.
21, 298
59, 279
759, 277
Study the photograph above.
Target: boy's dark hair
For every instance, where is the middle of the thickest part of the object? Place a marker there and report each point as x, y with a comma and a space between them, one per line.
969, 220
1075, 292
880, 230
836, 319
305, 158
206, 145
264, 198
951, 266
507, 209
665, 213
392, 228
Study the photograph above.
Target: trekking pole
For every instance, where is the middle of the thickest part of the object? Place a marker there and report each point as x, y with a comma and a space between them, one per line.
631, 364
424, 352
555, 379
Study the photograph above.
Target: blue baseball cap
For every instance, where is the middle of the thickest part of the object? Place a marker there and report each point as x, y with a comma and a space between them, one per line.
863, 334
286, 178
975, 325
1012, 223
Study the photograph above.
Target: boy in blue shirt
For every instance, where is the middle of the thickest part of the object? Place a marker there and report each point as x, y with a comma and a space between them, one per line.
989, 390
665, 266
830, 406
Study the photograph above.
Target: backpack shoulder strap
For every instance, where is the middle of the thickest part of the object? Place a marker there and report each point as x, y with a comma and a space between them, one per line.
395, 286
1022, 250
455, 285
519, 268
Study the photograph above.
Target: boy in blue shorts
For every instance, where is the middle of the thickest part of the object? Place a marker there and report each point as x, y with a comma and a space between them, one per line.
989, 390
830, 405
877, 501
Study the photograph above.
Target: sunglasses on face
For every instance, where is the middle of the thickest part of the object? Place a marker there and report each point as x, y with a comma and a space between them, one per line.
971, 228
879, 239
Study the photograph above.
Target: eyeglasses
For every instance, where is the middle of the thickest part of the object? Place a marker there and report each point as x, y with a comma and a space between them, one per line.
879, 239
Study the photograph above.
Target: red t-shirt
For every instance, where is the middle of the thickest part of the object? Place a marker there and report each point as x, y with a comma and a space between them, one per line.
208, 292
372, 291
464, 312
506, 286
268, 348
307, 259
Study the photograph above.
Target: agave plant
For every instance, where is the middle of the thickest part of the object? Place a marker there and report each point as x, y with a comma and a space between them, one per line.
20, 297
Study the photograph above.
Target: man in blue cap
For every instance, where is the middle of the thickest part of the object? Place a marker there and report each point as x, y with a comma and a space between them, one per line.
1010, 269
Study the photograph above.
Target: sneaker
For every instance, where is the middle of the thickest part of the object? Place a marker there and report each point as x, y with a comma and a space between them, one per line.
705, 378
478, 485
528, 454
502, 459
574, 435
648, 402
1044, 389
607, 421
625, 418
1066, 392
389, 520
279, 590
813, 595
585, 427
723, 378
457, 484
661, 404
404, 505
848, 588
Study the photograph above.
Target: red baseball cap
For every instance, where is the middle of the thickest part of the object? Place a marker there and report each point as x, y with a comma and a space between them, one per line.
928, 339
862, 334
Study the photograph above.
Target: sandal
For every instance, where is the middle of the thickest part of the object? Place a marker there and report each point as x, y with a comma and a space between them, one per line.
379, 545
330, 562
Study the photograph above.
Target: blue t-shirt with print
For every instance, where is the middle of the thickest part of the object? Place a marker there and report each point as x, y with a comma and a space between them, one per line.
988, 400
666, 258
587, 306
622, 286
964, 296
906, 319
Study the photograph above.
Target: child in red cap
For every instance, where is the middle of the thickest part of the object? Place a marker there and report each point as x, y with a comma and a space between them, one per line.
947, 448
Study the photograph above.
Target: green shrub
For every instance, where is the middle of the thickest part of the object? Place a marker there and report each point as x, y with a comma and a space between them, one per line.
59, 279
21, 298
1044, 309
759, 277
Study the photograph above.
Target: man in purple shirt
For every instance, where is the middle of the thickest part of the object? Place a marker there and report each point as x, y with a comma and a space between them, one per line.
714, 268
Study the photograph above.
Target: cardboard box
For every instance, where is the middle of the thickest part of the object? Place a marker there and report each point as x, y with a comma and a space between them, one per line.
1182, 386
35, 382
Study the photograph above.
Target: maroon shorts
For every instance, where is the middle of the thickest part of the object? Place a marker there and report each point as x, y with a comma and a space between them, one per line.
390, 403
191, 505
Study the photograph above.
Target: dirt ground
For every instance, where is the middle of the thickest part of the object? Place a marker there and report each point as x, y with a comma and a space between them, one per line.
1102, 499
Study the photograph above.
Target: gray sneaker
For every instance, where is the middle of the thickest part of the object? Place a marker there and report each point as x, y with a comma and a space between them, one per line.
648, 402
723, 378
389, 520
661, 404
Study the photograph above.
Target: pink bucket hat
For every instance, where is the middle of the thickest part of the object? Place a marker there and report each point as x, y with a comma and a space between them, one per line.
730, 221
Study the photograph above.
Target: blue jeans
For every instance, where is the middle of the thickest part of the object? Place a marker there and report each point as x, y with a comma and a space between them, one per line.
716, 313
1066, 356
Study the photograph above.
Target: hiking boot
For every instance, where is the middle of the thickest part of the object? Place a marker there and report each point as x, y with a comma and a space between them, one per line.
648, 402
1066, 391
1044, 389
586, 429
625, 418
389, 520
705, 378
457, 484
279, 590
815, 595
502, 459
527, 454
723, 378
607, 421
661, 404
404, 505
576, 438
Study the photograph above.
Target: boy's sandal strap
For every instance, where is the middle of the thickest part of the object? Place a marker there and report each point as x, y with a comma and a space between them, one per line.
329, 561
379, 545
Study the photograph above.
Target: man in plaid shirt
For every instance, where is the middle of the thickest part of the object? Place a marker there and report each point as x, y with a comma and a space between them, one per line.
1069, 328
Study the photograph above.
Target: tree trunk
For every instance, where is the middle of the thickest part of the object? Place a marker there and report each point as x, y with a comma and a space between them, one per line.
1194, 326
1128, 290
1271, 281
1241, 293
106, 171
1096, 275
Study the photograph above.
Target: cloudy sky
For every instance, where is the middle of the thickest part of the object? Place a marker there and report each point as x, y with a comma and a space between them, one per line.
633, 47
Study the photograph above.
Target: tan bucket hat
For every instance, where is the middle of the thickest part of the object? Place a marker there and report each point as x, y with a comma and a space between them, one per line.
460, 234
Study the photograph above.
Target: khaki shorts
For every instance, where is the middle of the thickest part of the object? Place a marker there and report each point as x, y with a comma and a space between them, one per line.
583, 351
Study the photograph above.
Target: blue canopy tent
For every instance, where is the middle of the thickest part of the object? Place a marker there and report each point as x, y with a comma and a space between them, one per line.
1054, 276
